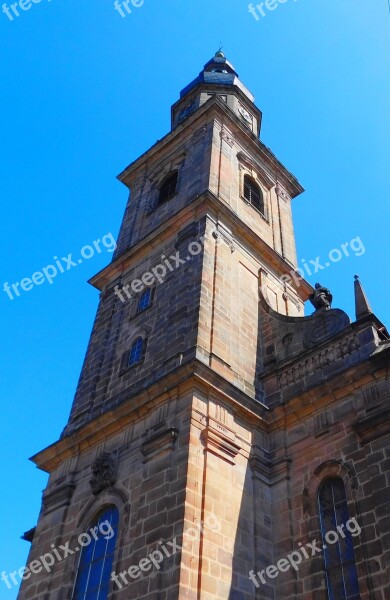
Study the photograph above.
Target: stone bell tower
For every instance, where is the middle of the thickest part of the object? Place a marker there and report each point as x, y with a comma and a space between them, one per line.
178, 429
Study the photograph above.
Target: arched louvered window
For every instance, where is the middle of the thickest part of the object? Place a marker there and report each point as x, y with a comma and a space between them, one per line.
253, 193
144, 300
339, 557
96, 560
168, 188
137, 351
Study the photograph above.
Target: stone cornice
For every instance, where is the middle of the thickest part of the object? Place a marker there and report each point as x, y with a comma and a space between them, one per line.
269, 467
304, 403
158, 442
215, 105
206, 204
189, 377
373, 426
220, 440
215, 88
196, 376
60, 497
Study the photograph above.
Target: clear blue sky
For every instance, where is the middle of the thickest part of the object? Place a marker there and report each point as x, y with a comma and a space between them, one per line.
85, 91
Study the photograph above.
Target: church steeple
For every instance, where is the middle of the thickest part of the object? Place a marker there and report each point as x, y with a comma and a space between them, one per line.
201, 376
218, 77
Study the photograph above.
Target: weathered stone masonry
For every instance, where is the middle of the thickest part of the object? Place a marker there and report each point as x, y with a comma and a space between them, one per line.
241, 406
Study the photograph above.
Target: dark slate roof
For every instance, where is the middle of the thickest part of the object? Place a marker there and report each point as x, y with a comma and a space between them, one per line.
218, 71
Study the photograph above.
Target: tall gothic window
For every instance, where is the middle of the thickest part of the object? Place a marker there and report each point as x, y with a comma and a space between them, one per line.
339, 557
144, 300
253, 193
136, 351
95, 568
168, 187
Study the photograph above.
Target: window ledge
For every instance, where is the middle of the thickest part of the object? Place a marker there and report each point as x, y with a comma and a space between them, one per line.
263, 216
128, 368
165, 201
140, 312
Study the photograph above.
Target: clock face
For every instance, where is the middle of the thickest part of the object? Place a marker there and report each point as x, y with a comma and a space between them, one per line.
184, 113
245, 115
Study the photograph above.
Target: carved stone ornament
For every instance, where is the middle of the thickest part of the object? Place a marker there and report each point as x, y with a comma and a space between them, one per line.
222, 235
227, 136
255, 169
325, 326
280, 192
104, 473
200, 134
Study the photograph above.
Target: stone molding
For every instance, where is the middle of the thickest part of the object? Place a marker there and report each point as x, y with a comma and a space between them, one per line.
281, 193
158, 443
375, 395
373, 427
200, 134
268, 467
325, 326
245, 162
327, 356
220, 233
227, 136
190, 232
220, 440
54, 499
330, 468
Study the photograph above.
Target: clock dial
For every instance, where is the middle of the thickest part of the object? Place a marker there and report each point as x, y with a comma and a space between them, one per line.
245, 115
184, 113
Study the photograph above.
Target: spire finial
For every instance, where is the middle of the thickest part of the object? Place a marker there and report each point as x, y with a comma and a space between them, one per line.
219, 53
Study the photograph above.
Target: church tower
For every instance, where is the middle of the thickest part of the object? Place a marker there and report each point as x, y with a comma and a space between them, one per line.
216, 430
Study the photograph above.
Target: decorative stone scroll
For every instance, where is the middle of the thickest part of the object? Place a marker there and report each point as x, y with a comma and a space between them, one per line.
325, 326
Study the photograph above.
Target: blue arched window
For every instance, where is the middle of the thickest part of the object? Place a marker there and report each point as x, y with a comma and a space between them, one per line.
144, 300
136, 352
95, 568
339, 557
